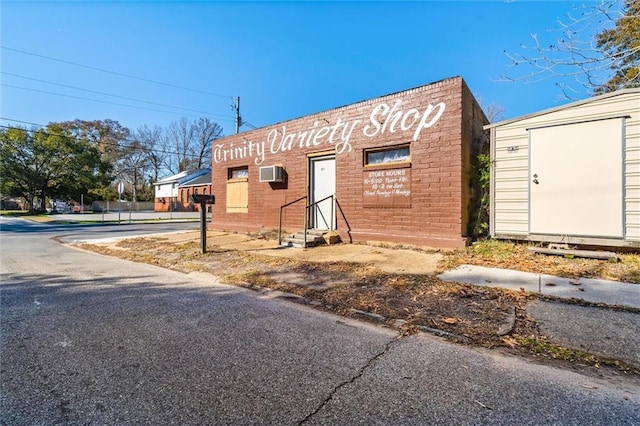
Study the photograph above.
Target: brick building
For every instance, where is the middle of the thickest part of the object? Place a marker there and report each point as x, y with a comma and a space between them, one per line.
173, 193
394, 168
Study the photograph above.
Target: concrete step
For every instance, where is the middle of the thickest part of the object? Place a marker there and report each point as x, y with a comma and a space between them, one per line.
314, 238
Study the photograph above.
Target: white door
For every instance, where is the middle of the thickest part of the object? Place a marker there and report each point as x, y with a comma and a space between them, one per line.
323, 184
576, 179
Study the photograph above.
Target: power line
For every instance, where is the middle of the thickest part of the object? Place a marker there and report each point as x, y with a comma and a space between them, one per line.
246, 123
78, 139
106, 94
114, 144
97, 100
175, 86
22, 122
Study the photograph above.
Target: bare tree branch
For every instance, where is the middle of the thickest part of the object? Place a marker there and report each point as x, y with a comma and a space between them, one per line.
597, 50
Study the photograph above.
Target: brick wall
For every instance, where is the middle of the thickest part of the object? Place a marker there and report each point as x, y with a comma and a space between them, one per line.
183, 202
435, 213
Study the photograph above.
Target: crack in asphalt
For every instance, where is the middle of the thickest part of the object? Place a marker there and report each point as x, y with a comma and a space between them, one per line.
359, 374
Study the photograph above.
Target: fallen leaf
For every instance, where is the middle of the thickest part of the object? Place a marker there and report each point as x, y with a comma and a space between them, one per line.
449, 320
510, 341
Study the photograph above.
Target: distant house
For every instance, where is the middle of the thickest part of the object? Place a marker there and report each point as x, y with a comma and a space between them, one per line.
196, 183
173, 193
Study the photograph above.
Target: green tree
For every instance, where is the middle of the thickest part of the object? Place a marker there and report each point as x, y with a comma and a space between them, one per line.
47, 163
622, 43
109, 136
481, 175
16, 144
111, 140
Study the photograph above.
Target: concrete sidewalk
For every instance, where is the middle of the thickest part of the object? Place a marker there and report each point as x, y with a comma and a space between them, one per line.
589, 290
611, 333
125, 216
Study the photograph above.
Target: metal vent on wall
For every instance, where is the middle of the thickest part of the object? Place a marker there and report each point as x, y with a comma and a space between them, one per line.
271, 174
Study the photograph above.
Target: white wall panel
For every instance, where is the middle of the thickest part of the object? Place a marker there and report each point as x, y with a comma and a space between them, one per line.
511, 152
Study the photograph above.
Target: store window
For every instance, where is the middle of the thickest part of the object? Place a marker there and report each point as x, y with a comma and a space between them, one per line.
238, 190
393, 155
239, 173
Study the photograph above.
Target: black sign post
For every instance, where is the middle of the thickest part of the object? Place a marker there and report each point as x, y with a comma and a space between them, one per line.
203, 200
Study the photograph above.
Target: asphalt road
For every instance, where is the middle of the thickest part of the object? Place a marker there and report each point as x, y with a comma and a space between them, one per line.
88, 339
78, 232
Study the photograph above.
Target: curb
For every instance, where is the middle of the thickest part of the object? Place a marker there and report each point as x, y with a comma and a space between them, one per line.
368, 314
509, 324
505, 328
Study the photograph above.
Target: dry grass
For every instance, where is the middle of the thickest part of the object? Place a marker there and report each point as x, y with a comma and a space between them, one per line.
475, 314
471, 314
503, 254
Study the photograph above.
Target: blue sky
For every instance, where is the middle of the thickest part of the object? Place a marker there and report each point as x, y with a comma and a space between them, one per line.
284, 59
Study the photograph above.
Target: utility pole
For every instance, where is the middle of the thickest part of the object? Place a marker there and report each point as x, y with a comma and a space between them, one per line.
236, 107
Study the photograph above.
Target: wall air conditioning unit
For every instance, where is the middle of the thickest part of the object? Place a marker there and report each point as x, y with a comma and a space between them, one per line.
271, 174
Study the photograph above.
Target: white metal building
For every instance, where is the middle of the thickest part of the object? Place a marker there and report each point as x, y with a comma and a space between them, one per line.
569, 174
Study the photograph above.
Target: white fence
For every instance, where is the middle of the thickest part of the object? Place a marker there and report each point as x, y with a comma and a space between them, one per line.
123, 206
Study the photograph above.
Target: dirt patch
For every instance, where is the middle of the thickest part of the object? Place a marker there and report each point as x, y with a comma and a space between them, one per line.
339, 279
351, 280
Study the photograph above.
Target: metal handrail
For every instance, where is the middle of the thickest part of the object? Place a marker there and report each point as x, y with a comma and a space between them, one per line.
306, 216
344, 217
332, 207
280, 224
332, 196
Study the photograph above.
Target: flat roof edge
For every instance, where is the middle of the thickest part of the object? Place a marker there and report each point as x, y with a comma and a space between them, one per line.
356, 104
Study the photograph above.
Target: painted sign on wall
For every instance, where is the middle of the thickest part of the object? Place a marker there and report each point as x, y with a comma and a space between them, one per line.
383, 119
387, 188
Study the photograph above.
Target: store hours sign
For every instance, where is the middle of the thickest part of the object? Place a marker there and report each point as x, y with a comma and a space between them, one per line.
387, 188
